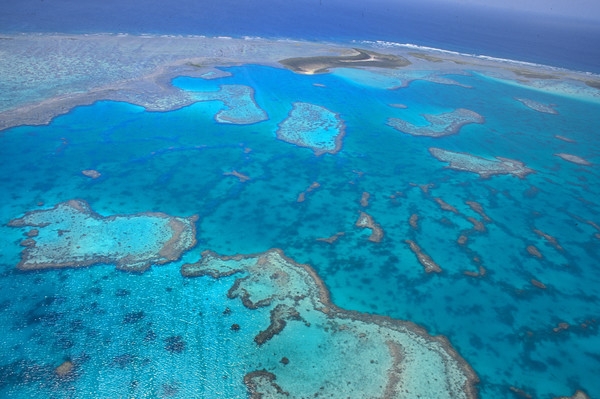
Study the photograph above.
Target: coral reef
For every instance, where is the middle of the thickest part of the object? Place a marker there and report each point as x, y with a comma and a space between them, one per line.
425, 260
574, 159
72, 235
303, 325
482, 166
366, 221
537, 106
314, 127
439, 125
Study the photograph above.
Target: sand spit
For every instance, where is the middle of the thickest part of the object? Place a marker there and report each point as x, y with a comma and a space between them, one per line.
358, 58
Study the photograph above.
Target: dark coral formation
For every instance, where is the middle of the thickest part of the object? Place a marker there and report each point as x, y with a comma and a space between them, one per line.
425, 260
261, 384
133, 317
366, 221
280, 314
477, 207
414, 221
364, 199
533, 251
175, 344
445, 206
574, 159
311, 188
538, 284
549, 238
65, 369
333, 238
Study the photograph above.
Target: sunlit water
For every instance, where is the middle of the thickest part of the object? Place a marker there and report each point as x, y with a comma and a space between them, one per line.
159, 334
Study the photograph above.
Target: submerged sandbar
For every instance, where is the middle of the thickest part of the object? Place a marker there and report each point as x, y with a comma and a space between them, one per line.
72, 235
397, 359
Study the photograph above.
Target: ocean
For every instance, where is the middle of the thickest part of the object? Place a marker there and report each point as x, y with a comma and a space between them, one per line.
515, 295
551, 41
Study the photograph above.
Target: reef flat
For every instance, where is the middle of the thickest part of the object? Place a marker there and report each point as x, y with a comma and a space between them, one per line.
439, 125
574, 159
397, 359
72, 235
537, 106
314, 127
482, 166
239, 101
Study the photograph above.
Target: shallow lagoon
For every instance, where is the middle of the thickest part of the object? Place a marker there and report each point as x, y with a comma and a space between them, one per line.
500, 298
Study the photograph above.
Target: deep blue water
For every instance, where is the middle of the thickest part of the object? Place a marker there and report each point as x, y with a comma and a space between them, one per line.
526, 37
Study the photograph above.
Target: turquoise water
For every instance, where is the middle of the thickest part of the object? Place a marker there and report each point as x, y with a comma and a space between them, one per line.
116, 327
